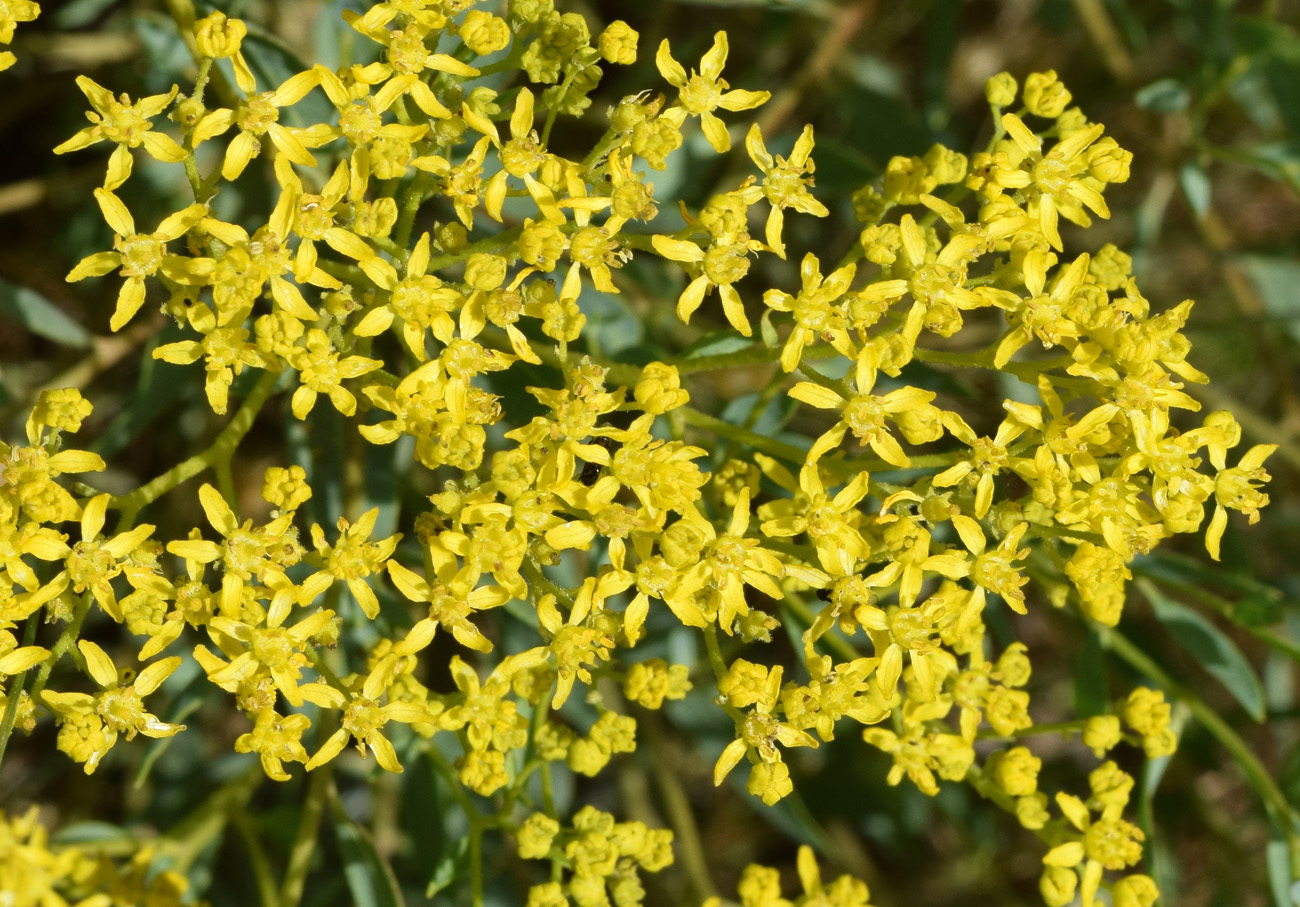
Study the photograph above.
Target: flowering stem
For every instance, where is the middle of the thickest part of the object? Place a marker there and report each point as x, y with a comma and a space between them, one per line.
724, 429
555, 108
304, 843
257, 856
220, 450
477, 825
65, 642
1275, 802
678, 806
1064, 728
15, 691
411, 202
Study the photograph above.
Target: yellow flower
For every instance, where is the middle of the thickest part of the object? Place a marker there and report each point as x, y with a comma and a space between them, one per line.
322, 371
451, 598
352, 559
141, 255
759, 733
219, 38
785, 182
117, 708
126, 124
1237, 488
363, 720
818, 310
14, 11
257, 116
704, 92
247, 554
93, 562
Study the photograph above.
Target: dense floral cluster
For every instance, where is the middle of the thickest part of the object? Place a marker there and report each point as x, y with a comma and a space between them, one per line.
33, 871
892, 534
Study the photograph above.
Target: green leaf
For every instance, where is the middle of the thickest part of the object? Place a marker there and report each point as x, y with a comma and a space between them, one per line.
1257, 610
1208, 645
451, 864
1091, 689
1196, 186
716, 343
1163, 96
1278, 857
90, 833
369, 878
1276, 279
40, 316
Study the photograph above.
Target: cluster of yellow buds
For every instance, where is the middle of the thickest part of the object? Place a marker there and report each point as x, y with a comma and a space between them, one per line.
428, 254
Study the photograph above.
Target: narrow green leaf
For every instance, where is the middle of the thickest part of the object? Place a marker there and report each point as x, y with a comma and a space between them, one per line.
369, 879
1163, 96
451, 865
1275, 279
1208, 645
1091, 689
716, 343
40, 316
1196, 187
1278, 857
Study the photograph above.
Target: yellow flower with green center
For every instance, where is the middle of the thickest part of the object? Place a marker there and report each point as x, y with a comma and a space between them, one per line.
125, 123
141, 255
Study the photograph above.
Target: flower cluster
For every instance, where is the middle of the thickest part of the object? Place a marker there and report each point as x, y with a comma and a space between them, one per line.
11, 14
35, 871
424, 248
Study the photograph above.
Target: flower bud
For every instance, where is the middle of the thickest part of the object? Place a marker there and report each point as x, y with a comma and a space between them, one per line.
219, 37
618, 43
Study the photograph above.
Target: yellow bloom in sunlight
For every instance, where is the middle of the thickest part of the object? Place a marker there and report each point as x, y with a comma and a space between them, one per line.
818, 310
829, 521
1236, 489
257, 116
363, 720
141, 255
93, 562
127, 124
701, 93
322, 371
248, 554
785, 182
760, 732
451, 598
92, 722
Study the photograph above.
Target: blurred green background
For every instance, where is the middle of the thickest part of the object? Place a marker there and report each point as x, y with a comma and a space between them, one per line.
1205, 93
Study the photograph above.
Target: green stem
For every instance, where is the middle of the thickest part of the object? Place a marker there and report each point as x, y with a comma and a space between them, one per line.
724, 429
411, 201
1275, 802
687, 834
305, 842
555, 108
67, 639
220, 450
476, 821
266, 892
15, 691
206, 823
1056, 727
